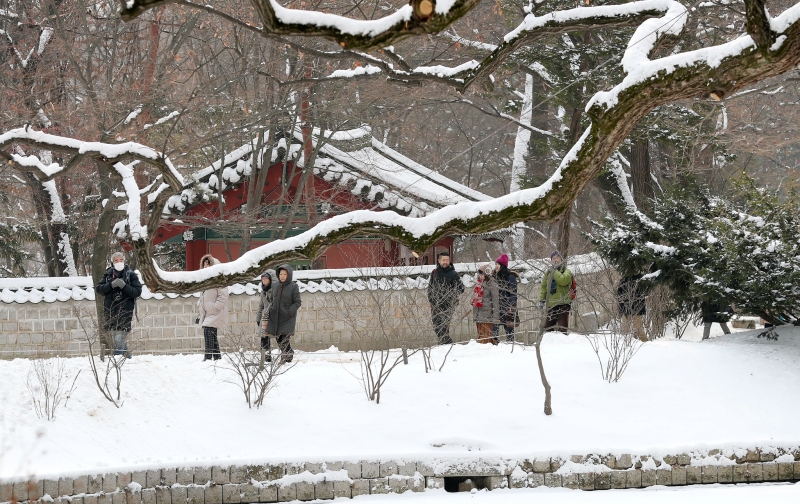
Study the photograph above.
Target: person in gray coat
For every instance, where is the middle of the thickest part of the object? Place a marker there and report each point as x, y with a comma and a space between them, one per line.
283, 311
268, 279
486, 304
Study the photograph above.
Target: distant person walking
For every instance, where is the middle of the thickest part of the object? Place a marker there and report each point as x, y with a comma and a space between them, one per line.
485, 304
444, 288
265, 302
715, 312
631, 297
213, 308
120, 287
555, 293
282, 319
507, 281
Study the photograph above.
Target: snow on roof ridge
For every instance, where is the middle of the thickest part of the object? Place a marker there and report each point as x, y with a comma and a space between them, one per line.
51, 289
403, 175
429, 174
342, 135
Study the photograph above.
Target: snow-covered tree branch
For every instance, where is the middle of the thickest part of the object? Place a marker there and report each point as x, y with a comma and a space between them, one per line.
420, 17
708, 73
357, 35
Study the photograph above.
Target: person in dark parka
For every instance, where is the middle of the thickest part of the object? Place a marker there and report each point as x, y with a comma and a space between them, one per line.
120, 286
283, 311
715, 312
507, 281
444, 288
631, 297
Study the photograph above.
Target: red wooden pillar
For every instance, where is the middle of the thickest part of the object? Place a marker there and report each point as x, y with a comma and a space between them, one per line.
195, 249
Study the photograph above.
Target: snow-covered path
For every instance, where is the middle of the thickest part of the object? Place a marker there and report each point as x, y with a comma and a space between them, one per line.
734, 391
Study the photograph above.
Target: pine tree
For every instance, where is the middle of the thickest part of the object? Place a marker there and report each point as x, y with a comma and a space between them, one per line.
741, 250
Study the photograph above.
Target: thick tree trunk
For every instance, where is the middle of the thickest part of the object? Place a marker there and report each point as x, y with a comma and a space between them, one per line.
44, 212
101, 252
641, 175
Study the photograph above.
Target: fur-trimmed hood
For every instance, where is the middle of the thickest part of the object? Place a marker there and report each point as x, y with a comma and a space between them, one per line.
213, 259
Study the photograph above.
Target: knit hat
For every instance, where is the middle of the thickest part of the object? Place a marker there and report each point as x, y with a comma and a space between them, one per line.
487, 269
503, 259
555, 253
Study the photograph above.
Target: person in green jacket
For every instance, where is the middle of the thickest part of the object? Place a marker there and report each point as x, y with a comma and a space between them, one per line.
556, 293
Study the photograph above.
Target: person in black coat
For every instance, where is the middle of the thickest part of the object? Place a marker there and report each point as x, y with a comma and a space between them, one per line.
715, 312
631, 297
120, 286
507, 281
283, 311
444, 288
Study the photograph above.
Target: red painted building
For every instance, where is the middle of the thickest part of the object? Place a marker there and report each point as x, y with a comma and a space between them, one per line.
352, 171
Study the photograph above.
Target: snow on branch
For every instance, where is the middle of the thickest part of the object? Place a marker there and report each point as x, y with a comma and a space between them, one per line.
757, 24
417, 233
715, 71
420, 17
353, 35
110, 155
533, 28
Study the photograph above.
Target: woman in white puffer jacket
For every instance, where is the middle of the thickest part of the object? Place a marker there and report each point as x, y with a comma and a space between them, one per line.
213, 308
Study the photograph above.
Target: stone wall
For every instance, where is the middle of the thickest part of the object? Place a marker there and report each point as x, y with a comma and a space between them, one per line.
280, 482
349, 320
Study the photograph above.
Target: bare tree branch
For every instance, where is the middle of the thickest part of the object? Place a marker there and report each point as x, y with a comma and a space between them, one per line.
407, 21
716, 71
461, 77
757, 24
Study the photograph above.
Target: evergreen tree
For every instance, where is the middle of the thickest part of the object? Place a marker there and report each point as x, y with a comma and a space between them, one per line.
743, 250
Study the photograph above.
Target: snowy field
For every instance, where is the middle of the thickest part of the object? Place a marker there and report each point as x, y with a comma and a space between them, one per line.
732, 391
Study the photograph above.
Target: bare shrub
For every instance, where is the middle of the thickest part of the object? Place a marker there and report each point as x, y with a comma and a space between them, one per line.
50, 385
663, 314
107, 372
420, 326
614, 351
256, 370
389, 319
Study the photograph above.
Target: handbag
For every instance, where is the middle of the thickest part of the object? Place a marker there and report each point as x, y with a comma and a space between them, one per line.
511, 319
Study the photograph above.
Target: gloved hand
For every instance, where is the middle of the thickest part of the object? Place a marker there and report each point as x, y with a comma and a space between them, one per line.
541, 304
118, 283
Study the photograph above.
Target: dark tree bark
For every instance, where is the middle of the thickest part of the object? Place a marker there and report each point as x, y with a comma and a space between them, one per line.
641, 175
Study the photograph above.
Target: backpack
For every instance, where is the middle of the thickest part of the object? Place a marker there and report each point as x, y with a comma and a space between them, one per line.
573, 289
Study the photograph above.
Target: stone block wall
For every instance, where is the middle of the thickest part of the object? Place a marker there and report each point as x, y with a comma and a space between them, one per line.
280, 482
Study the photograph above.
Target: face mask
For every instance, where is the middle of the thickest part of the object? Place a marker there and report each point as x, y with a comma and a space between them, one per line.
119, 266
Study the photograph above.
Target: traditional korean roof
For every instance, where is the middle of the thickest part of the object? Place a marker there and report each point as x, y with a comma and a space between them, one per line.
394, 181
351, 159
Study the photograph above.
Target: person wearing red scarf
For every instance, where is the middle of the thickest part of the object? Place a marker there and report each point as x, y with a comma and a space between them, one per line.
485, 304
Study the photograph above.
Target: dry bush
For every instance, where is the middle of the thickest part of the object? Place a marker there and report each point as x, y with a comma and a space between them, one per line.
50, 385
389, 319
106, 369
256, 374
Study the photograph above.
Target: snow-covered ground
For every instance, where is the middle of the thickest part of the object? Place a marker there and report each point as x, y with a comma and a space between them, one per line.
706, 494
732, 391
